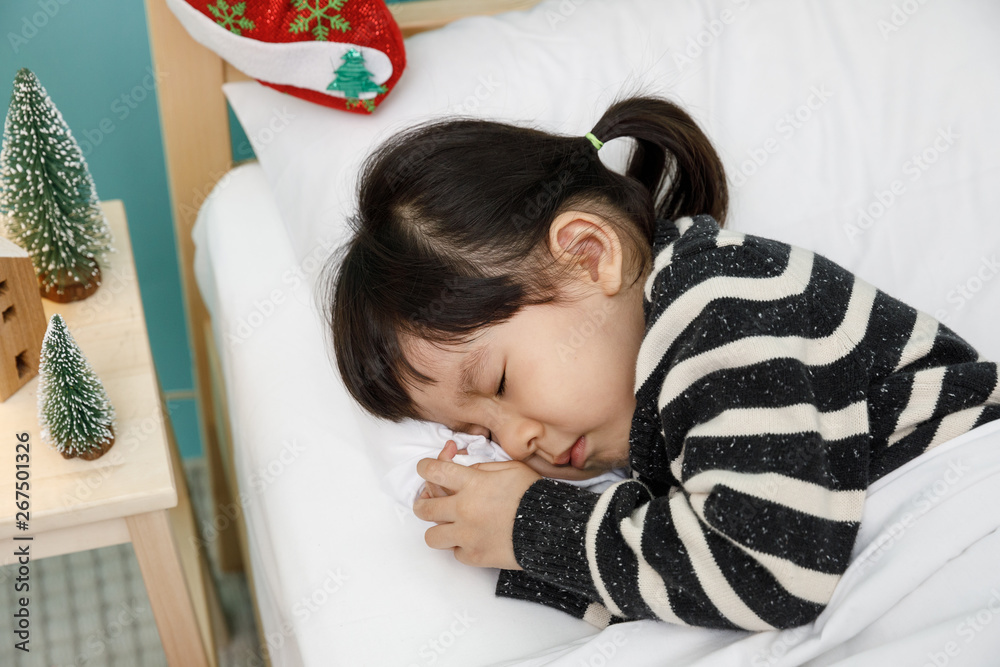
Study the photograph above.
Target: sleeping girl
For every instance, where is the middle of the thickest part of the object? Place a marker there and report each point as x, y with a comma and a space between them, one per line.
501, 280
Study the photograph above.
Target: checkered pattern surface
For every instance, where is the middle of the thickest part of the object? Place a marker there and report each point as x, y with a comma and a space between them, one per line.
91, 608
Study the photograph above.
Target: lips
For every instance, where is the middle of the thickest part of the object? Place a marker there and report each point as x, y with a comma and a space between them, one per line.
578, 454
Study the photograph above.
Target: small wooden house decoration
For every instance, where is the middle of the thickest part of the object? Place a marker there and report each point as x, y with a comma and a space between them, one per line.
22, 319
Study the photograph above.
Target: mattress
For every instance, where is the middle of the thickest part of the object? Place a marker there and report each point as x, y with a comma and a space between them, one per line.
343, 576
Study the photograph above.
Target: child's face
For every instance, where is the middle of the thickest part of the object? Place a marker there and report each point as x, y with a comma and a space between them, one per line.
569, 371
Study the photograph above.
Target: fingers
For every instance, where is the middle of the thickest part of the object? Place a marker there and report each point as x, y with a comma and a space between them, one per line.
546, 469
435, 491
439, 510
441, 537
496, 466
446, 474
449, 451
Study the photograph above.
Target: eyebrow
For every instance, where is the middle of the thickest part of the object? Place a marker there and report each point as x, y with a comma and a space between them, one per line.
471, 374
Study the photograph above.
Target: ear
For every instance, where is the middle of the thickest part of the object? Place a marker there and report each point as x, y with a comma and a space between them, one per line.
591, 243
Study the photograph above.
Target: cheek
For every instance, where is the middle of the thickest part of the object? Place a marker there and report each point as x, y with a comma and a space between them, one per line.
579, 370
591, 373
608, 375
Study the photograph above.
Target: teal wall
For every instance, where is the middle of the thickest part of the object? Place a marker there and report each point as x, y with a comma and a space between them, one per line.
93, 58
88, 55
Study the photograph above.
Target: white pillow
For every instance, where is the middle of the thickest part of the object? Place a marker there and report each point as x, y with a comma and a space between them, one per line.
417, 440
819, 110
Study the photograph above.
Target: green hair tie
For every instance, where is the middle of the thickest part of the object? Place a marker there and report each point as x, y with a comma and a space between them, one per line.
594, 140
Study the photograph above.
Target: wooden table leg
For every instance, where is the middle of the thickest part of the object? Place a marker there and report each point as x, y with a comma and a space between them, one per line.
174, 566
173, 606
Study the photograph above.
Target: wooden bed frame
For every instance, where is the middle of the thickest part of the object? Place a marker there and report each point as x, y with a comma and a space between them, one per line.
195, 126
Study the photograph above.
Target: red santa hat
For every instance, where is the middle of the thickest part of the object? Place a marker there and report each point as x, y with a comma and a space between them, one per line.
345, 54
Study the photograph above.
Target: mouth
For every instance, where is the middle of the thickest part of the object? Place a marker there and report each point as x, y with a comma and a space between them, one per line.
578, 455
575, 455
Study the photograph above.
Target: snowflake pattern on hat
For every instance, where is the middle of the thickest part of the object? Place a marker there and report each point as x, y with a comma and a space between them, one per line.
345, 54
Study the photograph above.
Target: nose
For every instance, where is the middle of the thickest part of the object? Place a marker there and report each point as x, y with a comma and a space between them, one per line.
518, 436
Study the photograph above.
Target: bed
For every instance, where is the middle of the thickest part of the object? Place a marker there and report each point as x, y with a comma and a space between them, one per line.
862, 130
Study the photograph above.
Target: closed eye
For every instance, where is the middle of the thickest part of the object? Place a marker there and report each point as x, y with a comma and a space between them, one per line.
466, 428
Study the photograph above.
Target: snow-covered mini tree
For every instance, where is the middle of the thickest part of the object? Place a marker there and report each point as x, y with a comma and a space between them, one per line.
74, 412
48, 196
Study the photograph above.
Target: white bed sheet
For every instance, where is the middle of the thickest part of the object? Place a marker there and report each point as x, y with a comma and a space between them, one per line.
339, 583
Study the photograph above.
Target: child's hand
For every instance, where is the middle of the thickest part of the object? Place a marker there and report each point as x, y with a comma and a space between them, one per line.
447, 454
477, 520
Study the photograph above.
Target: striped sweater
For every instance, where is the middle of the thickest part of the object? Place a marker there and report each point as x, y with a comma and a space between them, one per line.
772, 387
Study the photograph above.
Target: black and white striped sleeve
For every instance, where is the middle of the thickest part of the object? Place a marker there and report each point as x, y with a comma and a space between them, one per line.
934, 388
739, 545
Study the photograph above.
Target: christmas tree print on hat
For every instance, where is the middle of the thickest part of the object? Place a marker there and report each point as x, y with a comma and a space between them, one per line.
353, 79
289, 45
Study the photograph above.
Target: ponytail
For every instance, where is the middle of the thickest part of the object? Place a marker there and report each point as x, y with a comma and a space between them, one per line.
670, 147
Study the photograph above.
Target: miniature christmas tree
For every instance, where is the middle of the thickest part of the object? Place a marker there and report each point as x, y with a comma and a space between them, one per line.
73, 409
48, 195
353, 79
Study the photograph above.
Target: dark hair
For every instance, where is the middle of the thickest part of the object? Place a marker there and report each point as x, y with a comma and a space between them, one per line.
450, 234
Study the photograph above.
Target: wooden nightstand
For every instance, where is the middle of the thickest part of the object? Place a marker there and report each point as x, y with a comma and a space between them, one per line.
137, 491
